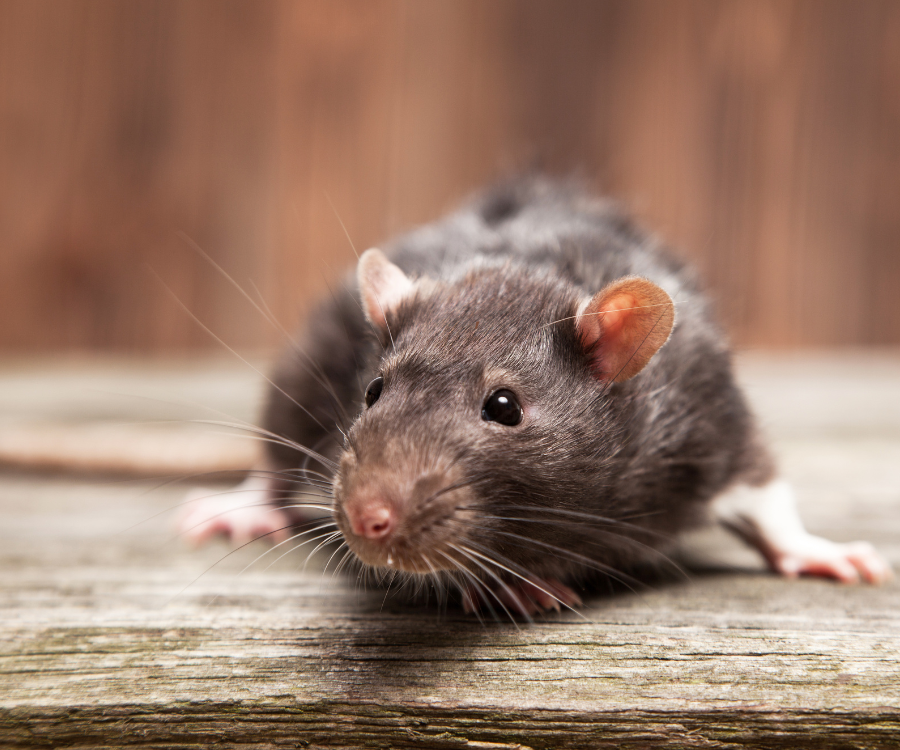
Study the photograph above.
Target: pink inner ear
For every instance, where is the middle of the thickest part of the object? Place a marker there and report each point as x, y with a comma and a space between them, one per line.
382, 286
615, 314
625, 325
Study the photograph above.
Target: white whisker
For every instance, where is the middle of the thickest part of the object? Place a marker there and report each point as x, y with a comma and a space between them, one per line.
524, 578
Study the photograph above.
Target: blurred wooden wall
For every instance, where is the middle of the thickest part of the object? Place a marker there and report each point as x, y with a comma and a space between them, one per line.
761, 137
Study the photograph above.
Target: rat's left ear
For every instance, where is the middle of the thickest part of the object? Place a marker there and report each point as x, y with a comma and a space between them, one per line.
382, 286
624, 325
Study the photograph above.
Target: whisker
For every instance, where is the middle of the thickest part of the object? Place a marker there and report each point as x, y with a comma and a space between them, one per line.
353, 247
338, 549
450, 488
620, 538
638, 348
313, 484
603, 312
222, 559
461, 550
269, 506
301, 506
341, 222
587, 561
321, 526
388, 590
260, 557
312, 367
279, 440
350, 339
235, 353
524, 578
480, 589
348, 554
175, 480
303, 543
435, 577
308, 474
623, 521
268, 316
324, 543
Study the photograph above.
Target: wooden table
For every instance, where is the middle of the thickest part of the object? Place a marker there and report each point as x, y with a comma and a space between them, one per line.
114, 634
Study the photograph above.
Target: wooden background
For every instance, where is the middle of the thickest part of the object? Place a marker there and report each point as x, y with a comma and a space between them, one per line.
762, 137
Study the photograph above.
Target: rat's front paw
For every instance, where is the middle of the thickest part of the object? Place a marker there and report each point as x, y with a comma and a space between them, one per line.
242, 514
848, 563
524, 598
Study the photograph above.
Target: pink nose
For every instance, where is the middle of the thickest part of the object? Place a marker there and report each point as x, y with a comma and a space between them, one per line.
375, 520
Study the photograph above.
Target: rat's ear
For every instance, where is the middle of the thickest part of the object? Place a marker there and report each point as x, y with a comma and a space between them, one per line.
624, 325
382, 286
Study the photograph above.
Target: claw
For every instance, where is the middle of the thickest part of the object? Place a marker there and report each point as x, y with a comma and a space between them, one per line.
848, 563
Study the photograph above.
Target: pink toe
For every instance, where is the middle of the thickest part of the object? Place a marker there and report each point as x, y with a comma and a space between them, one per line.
789, 567
872, 567
518, 601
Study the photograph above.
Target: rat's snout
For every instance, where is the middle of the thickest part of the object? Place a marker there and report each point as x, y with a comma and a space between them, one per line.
401, 516
373, 518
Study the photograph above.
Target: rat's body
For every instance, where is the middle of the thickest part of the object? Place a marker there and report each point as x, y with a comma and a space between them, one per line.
530, 421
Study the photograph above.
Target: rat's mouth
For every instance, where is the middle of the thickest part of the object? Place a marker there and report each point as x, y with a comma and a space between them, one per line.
399, 554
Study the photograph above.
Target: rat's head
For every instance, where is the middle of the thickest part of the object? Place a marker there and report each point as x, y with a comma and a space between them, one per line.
489, 404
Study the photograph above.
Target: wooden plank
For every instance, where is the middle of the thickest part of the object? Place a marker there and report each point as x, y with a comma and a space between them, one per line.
725, 657
133, 418
115, 635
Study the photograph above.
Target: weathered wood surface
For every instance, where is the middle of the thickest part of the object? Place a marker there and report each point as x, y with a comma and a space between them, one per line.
101, 645
150, 419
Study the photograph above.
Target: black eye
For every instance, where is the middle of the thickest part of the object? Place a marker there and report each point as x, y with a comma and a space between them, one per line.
502, 407
373, 391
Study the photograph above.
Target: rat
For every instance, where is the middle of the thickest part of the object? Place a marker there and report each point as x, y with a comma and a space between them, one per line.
518, 399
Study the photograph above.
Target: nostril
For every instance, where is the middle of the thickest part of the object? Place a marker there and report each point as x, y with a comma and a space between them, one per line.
373, 521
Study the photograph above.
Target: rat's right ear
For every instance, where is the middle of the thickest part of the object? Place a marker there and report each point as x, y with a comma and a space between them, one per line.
382, 286
624, 325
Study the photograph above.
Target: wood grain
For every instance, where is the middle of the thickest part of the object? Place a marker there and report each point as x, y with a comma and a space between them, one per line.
759, 136
114, 634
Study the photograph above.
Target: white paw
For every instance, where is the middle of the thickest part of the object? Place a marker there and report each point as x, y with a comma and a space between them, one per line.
767, 518
848, 563
243, 513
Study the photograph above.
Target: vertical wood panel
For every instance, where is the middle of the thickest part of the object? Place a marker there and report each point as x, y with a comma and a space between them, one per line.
882, 225
761, 136
335, 65
123, 124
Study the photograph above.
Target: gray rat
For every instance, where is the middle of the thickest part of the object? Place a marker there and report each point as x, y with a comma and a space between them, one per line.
514, 400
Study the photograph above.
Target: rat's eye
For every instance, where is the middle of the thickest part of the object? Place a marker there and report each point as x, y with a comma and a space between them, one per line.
503, 407
373, 391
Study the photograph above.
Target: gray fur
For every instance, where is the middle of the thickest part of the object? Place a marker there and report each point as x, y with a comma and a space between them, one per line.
642, 457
